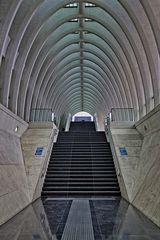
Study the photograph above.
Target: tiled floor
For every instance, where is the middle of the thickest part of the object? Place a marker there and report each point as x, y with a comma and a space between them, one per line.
57, 213
100, 219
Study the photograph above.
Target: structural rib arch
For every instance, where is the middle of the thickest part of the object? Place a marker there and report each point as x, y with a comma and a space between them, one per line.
69, 57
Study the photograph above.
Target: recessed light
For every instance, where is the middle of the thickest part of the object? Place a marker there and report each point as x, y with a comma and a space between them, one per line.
16, 129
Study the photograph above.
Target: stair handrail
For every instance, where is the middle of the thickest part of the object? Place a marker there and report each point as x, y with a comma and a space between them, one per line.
42, 115
122, 115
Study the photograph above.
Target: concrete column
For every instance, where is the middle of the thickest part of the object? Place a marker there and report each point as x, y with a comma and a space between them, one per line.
69, 119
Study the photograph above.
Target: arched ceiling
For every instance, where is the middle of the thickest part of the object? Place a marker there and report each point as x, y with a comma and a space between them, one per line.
81, 55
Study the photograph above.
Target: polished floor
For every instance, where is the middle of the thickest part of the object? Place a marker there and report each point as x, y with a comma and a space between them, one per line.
80, 219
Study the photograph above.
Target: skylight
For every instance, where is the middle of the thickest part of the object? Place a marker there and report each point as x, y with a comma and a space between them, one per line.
90, 5
88, 20
72, 5
75, 5
73, 20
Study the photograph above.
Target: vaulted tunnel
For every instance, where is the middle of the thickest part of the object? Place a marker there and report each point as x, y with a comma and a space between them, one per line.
62, 60
72, 56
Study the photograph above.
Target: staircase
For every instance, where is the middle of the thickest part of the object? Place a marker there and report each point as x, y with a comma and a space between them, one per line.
82, 127
81, 165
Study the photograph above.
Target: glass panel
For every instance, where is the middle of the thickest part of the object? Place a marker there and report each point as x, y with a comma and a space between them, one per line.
41, 115
122, 114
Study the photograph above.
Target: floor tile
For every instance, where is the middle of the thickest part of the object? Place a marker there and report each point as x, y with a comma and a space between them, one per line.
107, 219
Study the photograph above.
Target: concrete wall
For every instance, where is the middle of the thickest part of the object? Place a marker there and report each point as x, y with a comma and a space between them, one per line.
99, 121
139, 172
125, 135
14, 193
29, 224
37, 135
21, 173
68, 123
146, 189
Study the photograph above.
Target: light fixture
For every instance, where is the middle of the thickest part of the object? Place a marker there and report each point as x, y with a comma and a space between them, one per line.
16, 129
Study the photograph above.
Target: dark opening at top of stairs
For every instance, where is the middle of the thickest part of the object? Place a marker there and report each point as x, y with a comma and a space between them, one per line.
81, 165
82, 126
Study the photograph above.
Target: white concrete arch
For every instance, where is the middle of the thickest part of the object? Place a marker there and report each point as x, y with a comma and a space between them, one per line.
23, 94
69, 94
129, 28
144, 29
98, 75
73, 86
111, 61
67, 70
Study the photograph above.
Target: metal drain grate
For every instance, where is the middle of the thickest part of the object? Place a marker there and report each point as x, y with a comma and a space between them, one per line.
79, 222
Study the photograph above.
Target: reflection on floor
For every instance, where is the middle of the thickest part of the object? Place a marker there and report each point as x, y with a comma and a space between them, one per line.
100, 219
57, 213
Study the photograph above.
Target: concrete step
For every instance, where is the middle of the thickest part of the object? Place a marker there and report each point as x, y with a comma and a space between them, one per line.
98, 157
80, 184
80, 171
80, 193
79, 179
81, 188
84, 175
81, 164
81, 168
